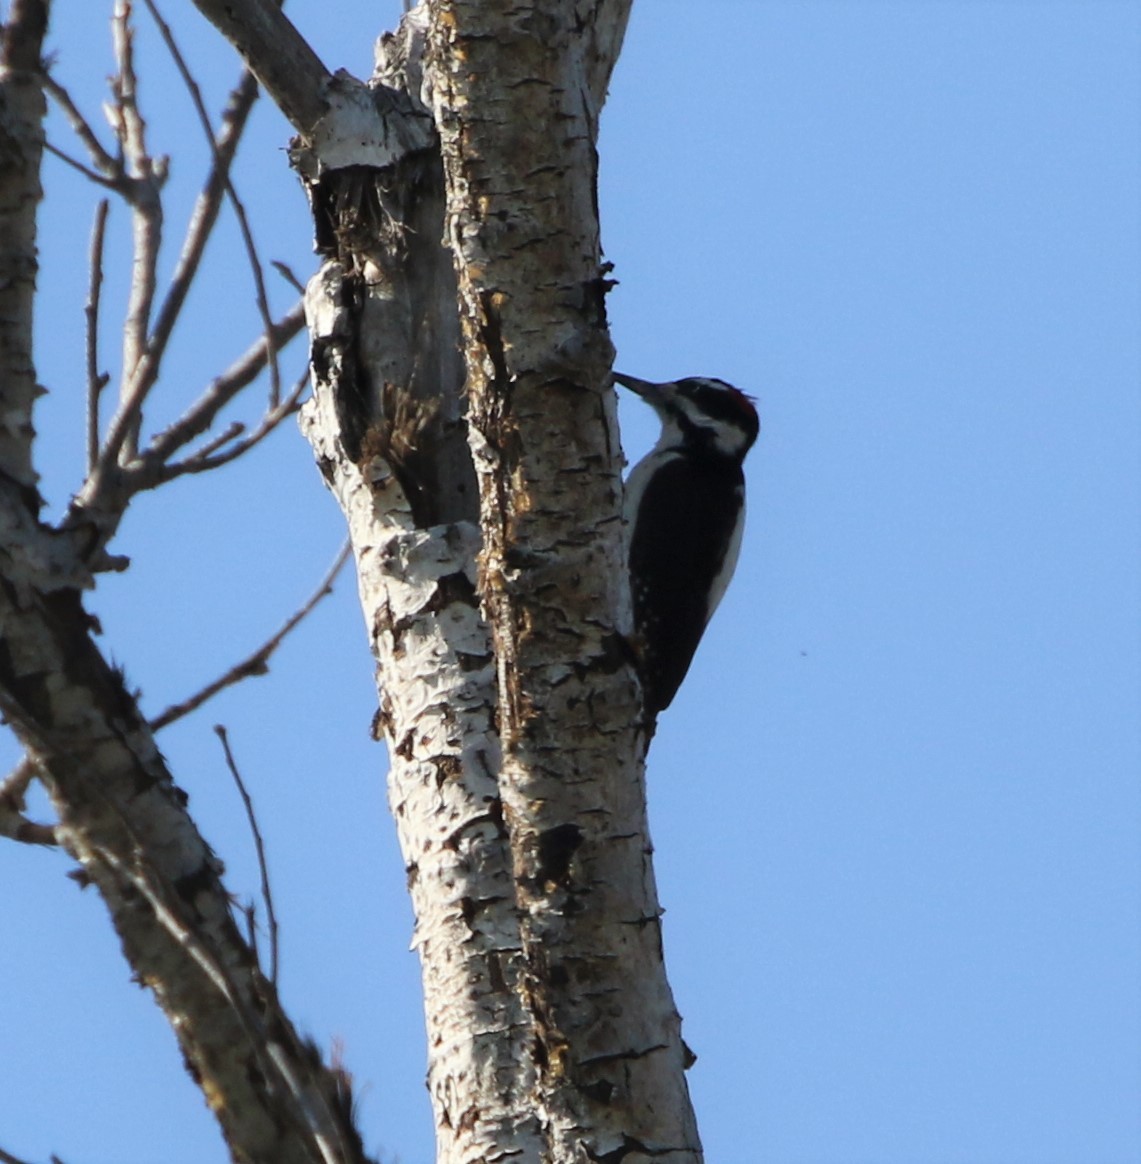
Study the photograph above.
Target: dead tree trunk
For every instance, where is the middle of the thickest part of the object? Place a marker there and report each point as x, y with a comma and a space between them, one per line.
500, 621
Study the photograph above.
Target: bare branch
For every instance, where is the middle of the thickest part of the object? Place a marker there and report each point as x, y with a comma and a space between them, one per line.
204, 452
110, 167
127, 121
146, 223
278, 55
224, 146
201, 415
145, 375
286, 272
13, 823
98, 754
234, 121
258, 272
120, 185
258, 662
259, 845
96, 380
8, 1158
205, 458
331, 1140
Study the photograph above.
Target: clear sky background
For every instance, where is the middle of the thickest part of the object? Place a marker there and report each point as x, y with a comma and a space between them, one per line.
896, 805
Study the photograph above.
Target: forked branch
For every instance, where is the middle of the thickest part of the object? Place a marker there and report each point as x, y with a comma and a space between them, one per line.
117, 467
153, 465
13, 823
147, 175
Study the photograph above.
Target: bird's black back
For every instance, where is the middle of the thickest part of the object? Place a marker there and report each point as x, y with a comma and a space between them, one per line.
691, 541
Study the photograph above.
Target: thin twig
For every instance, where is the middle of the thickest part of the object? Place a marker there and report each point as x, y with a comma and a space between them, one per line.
250, 914
8, 1158
206, 458
267, 895
130, 128
205, 213
202, 221
243, 97
205, 451
258, 662
146, 231
202, 413
140, 377
246, 91
96, 380
110, 167
119, 185
143, 352
276, 1056
276, 1051
286, 272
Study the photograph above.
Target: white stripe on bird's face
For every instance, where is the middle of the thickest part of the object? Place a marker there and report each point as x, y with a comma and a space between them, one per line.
729, 439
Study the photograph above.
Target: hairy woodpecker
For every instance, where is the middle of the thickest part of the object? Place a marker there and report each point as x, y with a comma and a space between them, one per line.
685, 509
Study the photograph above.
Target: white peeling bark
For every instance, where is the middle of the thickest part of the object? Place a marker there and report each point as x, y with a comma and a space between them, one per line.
435, 678
516, 91
386, 426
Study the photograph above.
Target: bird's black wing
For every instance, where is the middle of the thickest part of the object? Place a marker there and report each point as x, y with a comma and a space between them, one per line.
677, 551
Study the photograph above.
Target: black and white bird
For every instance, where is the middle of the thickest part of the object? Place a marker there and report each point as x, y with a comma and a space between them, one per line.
685, 509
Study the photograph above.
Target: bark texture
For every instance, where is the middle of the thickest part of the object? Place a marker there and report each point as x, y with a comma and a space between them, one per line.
386, 422
492, 578
22, 110
277, 54
517, 90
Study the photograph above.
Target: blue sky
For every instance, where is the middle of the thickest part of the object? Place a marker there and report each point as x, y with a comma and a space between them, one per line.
896, 805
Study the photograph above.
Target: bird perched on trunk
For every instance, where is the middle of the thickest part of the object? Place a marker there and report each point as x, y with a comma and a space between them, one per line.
685, 509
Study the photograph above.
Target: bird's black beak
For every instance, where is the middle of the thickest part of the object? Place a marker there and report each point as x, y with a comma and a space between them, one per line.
643, 388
